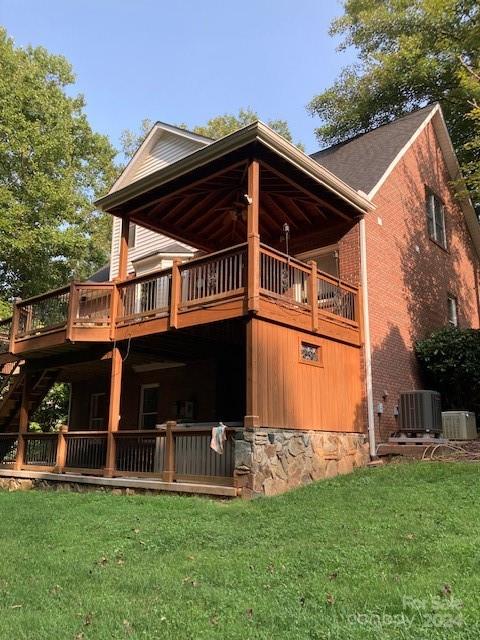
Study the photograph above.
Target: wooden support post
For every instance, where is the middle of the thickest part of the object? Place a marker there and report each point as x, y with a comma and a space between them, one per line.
123, 253
113, 410
72, 310
312, 294
15, 323
23, 423
61, 449
115, 309
175, 293
252, 419
169, 467
253, 236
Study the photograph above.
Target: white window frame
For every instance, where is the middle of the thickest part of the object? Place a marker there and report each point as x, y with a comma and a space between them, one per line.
452, 310
91, 420
434, 206
132, 235
141, 413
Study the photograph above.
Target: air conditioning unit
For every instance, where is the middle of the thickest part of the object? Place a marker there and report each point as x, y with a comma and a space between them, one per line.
420, 411
459, 425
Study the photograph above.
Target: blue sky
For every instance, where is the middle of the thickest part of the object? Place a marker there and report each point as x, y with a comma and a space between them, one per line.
187, 60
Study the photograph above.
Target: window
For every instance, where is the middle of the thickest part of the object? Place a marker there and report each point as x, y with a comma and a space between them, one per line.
327, 259
132, 234
310, 353
452, 311
436, 219
97, 411
148, 406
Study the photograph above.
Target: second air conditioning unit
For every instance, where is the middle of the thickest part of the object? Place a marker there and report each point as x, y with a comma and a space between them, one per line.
459, 425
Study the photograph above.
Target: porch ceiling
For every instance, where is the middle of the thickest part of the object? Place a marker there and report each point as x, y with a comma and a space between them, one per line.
206, 205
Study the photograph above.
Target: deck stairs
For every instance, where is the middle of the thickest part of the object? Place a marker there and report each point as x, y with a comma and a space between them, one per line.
11, 394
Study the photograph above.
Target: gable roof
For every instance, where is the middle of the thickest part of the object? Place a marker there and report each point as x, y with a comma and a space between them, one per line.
164, 144
361, 161
366, 161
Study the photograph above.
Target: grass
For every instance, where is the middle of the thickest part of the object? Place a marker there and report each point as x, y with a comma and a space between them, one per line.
391, 552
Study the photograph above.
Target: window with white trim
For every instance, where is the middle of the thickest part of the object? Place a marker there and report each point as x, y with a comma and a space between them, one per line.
132, 234
452, 311
98, 406
436, 219
148, 406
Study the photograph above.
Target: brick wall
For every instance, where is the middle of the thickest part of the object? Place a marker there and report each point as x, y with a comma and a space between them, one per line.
409, 275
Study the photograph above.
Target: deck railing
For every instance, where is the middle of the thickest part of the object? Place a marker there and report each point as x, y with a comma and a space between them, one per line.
285, 278
42, 313
8, 449
207, 280
144, 297
217, 275
170, 452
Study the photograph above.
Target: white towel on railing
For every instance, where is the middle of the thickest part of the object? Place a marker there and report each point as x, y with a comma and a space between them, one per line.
219, 436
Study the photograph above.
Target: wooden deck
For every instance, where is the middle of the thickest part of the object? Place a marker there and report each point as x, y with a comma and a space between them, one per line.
211, 288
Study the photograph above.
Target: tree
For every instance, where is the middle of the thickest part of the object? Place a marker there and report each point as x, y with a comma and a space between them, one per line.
215, 128
52, 167
450, 360
410, 53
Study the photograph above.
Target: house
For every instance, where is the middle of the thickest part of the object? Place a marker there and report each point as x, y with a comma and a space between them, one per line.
257, 286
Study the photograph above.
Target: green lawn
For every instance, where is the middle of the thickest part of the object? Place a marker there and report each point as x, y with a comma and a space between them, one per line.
392, 552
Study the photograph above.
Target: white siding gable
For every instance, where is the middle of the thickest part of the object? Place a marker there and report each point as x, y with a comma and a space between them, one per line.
161, 147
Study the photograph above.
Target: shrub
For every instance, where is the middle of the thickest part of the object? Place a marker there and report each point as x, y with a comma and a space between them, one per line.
450, 361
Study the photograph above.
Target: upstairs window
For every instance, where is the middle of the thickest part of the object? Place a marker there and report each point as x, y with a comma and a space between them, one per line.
452, 311
132, 234
436, 219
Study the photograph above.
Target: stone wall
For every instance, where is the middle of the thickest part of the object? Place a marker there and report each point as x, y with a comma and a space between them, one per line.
271, 461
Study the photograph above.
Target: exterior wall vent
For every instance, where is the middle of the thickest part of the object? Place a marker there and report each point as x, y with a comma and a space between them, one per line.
459, 425
420, 411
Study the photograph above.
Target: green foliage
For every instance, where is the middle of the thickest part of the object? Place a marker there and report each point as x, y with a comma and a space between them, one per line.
384, 553
215, 128
450, 359
52, 166
53, 411
411, 52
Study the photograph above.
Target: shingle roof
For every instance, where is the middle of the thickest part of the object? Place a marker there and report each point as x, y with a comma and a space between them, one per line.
101, 275
362, 161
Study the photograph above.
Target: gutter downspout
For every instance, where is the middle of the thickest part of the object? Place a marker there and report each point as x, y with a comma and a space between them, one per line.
367, 342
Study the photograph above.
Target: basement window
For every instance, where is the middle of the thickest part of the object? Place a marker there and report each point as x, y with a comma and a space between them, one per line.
310, 353
98, 411
436, 219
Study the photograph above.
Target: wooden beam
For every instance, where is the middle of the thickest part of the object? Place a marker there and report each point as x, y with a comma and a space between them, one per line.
123, 253
252, 419
176, 293
310, 194
313, 294
113, 410
253, 237
169, 469
23, 422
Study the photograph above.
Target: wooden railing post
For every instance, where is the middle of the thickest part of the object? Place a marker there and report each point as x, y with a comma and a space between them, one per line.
115, 303
23, 423
113, 410
15, 323
61, 449
175, 293
169, 466
253, 236
72, 310
312, 294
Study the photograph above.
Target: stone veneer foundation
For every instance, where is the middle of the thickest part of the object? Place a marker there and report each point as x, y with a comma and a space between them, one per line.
271, 461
